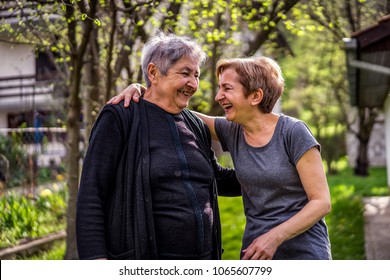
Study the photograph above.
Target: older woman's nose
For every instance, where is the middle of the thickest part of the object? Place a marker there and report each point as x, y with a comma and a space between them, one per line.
193, 82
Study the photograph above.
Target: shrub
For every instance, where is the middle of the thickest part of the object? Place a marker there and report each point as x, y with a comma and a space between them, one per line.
31, 217
11, 147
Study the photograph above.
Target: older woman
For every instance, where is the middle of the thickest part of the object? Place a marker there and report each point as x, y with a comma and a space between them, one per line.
148, 184
277, 161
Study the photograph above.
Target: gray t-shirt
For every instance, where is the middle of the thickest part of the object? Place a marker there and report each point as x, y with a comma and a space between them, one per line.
271, 189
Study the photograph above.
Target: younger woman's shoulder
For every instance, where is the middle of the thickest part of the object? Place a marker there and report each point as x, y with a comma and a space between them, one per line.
290, 122
222, 121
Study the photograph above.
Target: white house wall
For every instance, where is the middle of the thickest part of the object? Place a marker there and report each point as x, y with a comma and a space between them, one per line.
3, 119
19, 60
16, 60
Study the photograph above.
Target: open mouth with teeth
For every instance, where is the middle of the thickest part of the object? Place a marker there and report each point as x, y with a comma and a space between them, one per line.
186, 93
227, 107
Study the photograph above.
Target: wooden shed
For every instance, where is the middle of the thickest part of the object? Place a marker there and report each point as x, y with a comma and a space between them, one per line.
368, 64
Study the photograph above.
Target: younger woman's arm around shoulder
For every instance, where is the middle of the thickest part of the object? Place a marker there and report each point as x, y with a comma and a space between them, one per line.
210, 122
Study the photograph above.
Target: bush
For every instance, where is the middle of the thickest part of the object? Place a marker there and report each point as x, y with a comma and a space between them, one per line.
11, 147
31, 217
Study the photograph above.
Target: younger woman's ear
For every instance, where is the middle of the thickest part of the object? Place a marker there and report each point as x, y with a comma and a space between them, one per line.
257, 96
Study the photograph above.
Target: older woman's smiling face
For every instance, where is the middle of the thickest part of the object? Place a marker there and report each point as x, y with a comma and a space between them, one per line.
173, 91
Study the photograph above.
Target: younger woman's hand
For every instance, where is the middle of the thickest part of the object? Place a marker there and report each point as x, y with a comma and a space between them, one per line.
132, 92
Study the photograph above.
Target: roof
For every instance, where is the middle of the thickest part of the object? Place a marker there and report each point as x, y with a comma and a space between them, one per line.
375, 37
369, 87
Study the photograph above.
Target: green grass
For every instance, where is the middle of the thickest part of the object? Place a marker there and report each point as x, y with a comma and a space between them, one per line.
345, 222
233, 224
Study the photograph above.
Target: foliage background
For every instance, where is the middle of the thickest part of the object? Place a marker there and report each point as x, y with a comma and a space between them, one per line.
95, 46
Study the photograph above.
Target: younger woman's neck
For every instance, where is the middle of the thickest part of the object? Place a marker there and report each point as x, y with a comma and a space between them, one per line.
261, 123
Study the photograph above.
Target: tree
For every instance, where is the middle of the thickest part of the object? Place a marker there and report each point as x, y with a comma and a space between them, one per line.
78, 52
82, 21
70, 16
313, 78
39, 23
342, 18
228, 29
321, 78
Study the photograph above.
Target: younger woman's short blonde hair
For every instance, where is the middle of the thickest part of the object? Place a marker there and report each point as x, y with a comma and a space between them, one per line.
257, 73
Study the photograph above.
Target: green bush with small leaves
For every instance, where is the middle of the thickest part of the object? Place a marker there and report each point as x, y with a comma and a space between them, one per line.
28, 217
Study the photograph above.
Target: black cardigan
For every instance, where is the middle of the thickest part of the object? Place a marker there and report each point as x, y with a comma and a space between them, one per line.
114, 217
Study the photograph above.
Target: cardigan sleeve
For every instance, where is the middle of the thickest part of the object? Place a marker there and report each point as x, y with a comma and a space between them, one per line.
227, 182
98, 176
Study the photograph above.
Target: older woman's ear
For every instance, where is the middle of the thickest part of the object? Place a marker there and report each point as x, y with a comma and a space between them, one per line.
153, 73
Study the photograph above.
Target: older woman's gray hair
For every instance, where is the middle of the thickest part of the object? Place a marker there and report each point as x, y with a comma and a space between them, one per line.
165, 50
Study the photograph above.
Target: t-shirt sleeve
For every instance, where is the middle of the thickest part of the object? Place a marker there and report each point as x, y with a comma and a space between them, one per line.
299, 140
226, 131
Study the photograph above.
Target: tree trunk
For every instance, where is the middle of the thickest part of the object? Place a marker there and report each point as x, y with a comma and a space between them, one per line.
74, 117
216, 109
367, 118
73, 121
92, 104
362, 163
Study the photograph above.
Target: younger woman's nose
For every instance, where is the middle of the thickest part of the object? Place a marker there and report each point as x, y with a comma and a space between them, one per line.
219, 96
